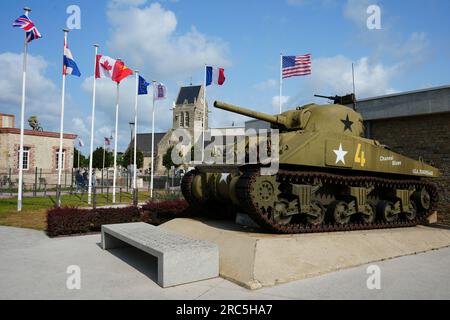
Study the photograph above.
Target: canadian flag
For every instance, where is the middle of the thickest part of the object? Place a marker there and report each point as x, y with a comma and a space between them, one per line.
108, 67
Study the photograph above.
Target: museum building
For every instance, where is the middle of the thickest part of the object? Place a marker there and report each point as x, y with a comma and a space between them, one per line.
40, 151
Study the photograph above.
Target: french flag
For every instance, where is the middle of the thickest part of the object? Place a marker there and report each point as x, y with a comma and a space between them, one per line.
216, 75
69, 66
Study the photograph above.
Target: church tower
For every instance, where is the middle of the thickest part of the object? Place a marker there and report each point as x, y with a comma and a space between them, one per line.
189, 108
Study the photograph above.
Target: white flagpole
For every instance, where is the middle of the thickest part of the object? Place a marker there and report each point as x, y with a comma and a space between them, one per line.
91, 152
104, 152
22, 119
61, 133
281, 80
204, 118
153, 144
115, 143
135, 136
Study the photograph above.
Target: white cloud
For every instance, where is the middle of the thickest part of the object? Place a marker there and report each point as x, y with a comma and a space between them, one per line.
276, 103
42, 95
106, 108
356, 11
333, 75
148, 39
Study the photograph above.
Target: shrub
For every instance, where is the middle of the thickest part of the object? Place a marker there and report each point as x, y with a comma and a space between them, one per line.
68, 220
157, 212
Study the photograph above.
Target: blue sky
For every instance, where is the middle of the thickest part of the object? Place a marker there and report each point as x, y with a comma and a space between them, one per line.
170, 41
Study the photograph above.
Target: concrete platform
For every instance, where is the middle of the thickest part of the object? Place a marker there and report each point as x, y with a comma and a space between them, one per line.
255, 260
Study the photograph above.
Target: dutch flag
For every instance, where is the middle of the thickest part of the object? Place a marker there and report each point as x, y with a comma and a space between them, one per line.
69, 66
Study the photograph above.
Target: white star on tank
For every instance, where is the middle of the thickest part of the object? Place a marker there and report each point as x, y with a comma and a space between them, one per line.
340, 154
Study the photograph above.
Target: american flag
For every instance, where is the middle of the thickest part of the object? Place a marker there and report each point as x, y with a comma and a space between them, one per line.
26, 24
107, 141
296, 66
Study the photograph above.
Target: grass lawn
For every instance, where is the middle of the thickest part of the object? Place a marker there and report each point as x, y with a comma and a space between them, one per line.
33, 213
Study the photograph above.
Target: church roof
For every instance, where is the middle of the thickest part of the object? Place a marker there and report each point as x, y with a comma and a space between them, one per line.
189, 94
144, 142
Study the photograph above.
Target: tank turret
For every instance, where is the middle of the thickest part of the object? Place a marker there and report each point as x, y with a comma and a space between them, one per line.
311, 117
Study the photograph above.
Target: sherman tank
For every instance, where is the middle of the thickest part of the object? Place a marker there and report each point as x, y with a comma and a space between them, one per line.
330, 177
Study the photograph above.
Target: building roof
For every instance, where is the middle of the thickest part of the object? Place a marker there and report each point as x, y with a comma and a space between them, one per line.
189, 94
144, 142
406, 104
38, 133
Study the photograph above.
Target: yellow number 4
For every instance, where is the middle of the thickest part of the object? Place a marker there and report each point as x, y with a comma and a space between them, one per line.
359, 156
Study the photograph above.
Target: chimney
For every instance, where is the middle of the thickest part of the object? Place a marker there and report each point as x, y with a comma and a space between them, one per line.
6, 120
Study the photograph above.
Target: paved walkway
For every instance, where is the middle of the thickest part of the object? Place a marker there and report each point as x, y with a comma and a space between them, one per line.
33, 266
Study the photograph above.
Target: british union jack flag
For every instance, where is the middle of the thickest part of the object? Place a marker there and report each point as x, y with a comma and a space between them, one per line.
26, 24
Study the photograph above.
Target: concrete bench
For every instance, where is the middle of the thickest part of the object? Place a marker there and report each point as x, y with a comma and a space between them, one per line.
180, 259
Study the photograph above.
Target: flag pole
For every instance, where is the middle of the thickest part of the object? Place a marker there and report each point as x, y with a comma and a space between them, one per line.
91, 152
61, 133
281, 80
22, 119
135, 195
204, 117
104, 151
152, 166
115, 143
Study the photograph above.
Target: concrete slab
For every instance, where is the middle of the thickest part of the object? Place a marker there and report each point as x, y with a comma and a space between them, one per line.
254, 260
180, 259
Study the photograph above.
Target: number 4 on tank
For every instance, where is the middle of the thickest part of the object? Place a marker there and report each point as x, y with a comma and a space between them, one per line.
359, 156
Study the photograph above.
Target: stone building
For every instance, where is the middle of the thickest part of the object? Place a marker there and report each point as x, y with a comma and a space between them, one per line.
40, 151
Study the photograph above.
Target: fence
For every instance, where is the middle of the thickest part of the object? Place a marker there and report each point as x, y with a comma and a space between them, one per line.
39, 182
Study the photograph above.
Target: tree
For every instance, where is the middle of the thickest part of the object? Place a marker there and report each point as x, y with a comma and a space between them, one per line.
167, 159
97, 159
83, 160
128, 158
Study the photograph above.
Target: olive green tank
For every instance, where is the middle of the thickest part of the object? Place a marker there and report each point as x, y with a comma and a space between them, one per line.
329, 178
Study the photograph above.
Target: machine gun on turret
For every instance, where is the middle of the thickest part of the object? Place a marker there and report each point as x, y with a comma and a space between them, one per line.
343, 100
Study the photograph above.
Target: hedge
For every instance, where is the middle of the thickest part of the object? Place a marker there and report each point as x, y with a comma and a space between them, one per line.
160, 212
68, 220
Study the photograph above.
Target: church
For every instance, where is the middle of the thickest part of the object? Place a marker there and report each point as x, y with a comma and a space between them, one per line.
188, 109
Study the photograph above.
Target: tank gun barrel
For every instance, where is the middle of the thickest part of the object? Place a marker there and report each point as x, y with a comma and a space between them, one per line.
275, 120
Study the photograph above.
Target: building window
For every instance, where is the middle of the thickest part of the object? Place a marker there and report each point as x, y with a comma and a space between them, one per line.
26, 158
63, 159
186, 120
181, 119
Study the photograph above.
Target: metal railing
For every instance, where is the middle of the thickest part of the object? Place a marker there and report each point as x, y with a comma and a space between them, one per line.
41, 183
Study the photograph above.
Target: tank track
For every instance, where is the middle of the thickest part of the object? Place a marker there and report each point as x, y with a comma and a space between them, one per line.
245, 183
186, 187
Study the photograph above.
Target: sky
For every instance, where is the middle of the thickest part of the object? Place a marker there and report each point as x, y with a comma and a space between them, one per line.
170, 41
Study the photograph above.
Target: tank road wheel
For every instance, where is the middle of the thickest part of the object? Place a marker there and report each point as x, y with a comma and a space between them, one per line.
412, 214
316, 216
265, 192
338, 211
422, 199
386, 211
369, 215
278, 214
